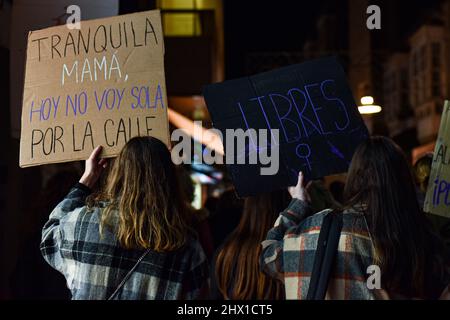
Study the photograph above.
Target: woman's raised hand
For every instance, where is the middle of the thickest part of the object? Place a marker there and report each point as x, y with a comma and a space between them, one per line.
93, 169
300, 191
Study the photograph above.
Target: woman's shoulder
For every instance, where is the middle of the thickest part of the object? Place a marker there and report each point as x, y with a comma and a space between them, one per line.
190, 254
192, 243
85, 214
317, 218
351, 216
83, 221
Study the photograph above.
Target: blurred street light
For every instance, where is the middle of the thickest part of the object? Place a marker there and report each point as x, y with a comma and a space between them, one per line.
368, 106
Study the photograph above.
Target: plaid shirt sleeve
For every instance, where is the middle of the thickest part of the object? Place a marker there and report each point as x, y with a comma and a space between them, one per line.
272, 247
52, 236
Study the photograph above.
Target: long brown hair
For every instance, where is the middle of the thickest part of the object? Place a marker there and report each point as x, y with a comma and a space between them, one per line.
406, 250
237, 264
144, 203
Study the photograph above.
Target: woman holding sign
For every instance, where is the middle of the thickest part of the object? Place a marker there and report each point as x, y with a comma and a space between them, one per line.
132, 240
384, 249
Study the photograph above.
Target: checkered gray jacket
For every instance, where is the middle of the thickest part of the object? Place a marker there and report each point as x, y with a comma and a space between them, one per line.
95, 264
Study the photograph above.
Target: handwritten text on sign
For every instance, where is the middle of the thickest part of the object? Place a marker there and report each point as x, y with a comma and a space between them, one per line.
437, 199
312, 107
100, 85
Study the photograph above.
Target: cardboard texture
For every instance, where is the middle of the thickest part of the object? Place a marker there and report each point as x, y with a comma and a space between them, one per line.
29, 15
100, 85
312, 107
437, 199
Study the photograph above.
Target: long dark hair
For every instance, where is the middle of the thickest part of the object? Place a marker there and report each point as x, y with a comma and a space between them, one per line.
411, 259
237, 264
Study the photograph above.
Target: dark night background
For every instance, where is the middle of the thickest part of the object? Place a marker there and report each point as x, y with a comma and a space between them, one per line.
257, 36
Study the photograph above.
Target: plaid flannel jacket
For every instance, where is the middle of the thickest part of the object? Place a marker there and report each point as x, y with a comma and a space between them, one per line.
94, 265
289, 250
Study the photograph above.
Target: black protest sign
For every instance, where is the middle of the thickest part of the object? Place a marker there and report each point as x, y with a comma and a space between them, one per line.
311, 106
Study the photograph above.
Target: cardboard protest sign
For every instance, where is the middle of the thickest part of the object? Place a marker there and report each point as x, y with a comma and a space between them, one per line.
29, 15
437, 199
101, 84
311, 106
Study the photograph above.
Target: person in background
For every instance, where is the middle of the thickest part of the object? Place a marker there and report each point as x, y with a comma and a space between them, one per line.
382, 226
226, 217
131, 240
321, 197
337, 191
236, 272
199, 216
422, 170
211, 203
33, 278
